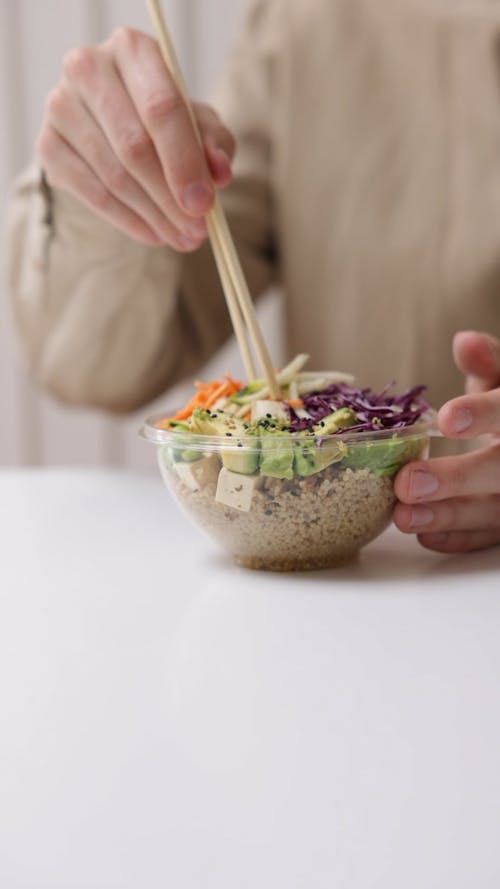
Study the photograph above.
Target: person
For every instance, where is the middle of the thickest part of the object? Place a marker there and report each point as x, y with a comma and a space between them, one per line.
366, 181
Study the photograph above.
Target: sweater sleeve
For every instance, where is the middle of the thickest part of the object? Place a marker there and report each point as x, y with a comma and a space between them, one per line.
107, 322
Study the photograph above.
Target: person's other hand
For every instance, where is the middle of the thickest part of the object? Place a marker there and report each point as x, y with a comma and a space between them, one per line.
117, 135
453, 503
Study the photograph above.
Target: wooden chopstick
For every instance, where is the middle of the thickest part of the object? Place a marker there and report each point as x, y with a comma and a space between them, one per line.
170, 58
239, 301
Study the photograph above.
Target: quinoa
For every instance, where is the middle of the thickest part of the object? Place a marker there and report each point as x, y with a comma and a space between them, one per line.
320, 521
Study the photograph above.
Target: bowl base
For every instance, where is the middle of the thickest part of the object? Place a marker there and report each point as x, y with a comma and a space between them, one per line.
321, 563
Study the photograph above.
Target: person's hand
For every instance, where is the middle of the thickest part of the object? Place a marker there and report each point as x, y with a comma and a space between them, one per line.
117, 135
453, 503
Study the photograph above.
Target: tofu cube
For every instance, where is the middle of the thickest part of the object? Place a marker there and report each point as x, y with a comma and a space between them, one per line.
200, 473
235, 489
275, 409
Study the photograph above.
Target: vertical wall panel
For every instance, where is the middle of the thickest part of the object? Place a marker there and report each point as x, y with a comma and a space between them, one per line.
10, 441
20, 427
66, 436
215, 25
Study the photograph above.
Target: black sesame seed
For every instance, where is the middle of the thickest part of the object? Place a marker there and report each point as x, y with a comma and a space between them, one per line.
229, 434
268, 416
269, 512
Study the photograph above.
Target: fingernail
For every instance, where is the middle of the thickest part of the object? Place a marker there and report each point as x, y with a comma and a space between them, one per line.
221, 155
222, 161
420, 516
422, 484
462, 420
197, 198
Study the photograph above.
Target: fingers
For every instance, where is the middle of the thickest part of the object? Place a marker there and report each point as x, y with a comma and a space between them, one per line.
474, 474
471, 415
452, 526
451, 503
219, 165
459, 514
477, 355
72, 121
96, 80
219, 144
118, 111
73, 175
460, 541
478, 412
215, 134
166, 120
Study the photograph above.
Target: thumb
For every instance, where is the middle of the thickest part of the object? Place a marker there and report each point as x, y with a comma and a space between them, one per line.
477, 355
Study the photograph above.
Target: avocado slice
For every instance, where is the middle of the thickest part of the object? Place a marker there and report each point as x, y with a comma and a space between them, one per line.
190, 455
276, 453
311, 457
181, 450
384, 458
204, 422
341, 419
236, 458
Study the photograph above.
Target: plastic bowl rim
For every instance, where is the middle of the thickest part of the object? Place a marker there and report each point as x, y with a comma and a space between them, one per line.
426, 426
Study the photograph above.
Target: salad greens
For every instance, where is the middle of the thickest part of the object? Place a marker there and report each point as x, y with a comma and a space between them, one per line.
296, 436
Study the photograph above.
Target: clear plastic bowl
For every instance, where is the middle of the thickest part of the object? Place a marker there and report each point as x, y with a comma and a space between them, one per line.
334, 496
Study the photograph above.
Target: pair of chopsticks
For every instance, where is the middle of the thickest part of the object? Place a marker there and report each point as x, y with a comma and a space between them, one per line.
239, 301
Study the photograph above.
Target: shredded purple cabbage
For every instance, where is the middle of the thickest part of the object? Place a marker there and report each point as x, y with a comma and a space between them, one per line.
374, 412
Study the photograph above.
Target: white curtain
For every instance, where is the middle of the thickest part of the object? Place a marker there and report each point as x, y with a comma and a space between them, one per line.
34, 36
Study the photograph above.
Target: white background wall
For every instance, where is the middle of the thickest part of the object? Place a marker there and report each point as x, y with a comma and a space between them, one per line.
34, 35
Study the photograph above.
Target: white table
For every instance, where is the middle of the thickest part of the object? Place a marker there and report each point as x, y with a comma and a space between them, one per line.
169, 720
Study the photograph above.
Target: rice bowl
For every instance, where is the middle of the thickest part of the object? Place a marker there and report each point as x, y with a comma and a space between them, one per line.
316, 521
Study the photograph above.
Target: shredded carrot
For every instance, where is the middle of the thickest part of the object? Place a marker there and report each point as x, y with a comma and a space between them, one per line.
206, 396
295, 402
220, 392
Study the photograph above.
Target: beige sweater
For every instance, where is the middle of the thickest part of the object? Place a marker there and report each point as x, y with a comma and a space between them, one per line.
367, 181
